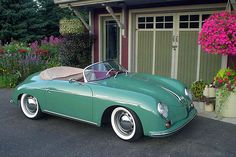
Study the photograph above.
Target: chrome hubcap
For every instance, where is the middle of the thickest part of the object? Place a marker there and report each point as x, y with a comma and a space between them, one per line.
30, 104
125, 123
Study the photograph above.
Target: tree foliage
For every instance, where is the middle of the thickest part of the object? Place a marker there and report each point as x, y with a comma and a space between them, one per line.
29, 20
20, 20
51, 15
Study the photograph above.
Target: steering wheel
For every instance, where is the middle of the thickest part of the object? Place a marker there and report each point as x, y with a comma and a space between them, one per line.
109, 71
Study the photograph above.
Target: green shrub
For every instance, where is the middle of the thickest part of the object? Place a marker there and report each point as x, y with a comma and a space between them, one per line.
76, 50
197, 90
14, 47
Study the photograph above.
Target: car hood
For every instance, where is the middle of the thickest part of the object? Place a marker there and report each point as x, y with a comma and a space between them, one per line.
162, 89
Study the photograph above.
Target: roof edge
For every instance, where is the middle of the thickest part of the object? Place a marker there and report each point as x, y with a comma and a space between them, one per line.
78, 3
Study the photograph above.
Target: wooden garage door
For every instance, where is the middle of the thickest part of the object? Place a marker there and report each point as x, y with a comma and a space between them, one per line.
154, 46
167, 45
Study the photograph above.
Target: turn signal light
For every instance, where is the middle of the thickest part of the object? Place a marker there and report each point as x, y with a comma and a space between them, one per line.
168, 124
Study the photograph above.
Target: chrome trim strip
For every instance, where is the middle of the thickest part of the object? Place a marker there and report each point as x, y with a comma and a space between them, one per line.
180, 98
69, 117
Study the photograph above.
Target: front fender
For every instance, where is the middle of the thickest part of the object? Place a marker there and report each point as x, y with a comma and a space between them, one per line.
34, 86
143, 105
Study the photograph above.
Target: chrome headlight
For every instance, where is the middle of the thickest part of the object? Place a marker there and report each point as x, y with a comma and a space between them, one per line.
162, 109
188, 93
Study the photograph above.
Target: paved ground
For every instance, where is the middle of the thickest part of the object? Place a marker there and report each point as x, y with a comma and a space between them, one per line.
53, 136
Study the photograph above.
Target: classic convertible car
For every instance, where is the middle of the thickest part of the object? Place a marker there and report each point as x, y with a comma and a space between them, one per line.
135, 104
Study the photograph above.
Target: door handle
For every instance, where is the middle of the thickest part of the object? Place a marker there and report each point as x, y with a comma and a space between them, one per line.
48, 91
173, 38
174, 47
176, 38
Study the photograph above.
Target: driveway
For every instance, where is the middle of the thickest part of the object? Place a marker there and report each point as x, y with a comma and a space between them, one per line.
53, 136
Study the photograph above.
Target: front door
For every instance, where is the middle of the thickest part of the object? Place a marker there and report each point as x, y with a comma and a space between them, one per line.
111, 41
69, 99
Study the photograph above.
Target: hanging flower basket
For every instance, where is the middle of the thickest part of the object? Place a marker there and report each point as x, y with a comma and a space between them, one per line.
218, 34
71, 26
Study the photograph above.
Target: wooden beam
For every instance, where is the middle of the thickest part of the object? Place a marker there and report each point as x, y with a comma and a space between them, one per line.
81, 18
111, 12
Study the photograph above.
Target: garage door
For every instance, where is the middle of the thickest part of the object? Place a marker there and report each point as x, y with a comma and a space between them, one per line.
166, 44
154, 46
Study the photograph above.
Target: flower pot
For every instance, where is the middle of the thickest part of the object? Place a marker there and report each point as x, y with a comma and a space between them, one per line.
199, 106
209, 107
211, 92
206, 91
229, 107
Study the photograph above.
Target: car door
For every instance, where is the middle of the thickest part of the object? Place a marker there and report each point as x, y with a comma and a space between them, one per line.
69, 99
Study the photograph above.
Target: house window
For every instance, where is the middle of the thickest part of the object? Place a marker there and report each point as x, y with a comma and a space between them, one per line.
189, 21
146, 22
204, 17
164, 22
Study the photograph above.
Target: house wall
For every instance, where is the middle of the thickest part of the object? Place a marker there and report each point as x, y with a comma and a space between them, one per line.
124, 39
232, 62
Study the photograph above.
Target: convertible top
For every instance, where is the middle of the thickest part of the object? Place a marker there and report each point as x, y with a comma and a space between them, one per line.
62, 73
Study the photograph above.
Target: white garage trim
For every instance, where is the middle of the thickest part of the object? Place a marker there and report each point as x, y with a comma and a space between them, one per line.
175, 9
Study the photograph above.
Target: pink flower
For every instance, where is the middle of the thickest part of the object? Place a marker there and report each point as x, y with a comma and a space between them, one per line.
220, 81
228, 73
218, 35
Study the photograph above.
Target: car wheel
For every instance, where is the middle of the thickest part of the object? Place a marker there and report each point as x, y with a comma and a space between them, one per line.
30, 107
126, 124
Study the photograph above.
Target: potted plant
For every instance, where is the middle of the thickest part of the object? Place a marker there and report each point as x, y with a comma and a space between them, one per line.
225, 81
209, 91
197, 88
210, 94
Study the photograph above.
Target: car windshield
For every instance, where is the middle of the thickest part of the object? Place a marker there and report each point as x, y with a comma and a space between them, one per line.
102, 70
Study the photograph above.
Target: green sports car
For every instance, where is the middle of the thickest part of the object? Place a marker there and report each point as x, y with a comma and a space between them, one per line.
135, 104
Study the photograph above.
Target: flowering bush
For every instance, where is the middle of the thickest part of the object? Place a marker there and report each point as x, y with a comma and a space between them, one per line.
225, 81
16, 47
218, 35
18, 60
225, 78
48, 48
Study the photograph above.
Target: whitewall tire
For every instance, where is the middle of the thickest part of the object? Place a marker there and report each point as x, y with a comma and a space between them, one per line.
126, 124
30, 106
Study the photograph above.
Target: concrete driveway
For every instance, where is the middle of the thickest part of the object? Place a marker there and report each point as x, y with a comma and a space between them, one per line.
53, 136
